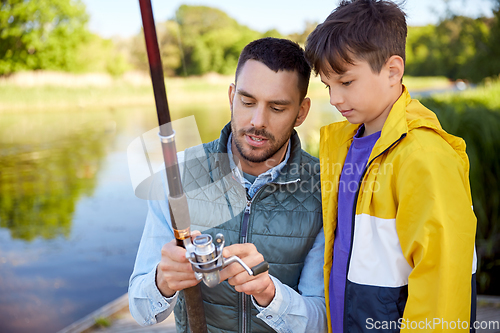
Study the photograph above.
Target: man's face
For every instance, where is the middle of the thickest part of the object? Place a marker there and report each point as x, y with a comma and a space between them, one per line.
265, 107
361, 95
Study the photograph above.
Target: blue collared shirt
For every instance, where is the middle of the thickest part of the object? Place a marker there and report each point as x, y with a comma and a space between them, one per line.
289, 311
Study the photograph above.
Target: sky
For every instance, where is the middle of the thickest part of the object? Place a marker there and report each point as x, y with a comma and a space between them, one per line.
122, 18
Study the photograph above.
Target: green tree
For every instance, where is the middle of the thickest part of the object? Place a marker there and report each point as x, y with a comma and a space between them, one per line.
202, 39
488, 57
448, 49
41, 34
302, 37
197, 41
171, 50
168, 34
211, 40
101, 55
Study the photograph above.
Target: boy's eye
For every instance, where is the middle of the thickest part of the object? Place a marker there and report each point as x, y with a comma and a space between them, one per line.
346, 84
277, 109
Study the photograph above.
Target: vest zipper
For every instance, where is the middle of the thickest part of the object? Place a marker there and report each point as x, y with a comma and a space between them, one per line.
245, 299
244, 234
354, 214
246, 217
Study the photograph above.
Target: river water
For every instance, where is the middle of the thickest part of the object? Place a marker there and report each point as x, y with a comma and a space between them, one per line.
69, 221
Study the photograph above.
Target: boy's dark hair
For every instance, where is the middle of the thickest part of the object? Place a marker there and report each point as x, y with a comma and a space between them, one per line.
370, 30
278, 55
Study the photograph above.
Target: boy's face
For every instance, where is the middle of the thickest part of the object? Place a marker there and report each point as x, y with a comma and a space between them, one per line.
362, 96
265, 107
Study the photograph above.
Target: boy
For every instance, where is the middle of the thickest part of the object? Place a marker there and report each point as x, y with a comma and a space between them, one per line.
395, 188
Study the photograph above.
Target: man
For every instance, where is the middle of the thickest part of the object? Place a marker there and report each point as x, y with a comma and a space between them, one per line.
268, 209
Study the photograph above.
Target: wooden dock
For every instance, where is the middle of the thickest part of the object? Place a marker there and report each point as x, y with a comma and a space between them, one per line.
121, 320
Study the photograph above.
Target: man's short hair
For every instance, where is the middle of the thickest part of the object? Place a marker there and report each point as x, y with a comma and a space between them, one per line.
278, 55
370, 30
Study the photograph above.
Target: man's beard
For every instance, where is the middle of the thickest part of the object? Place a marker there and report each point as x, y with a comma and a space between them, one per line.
275, 145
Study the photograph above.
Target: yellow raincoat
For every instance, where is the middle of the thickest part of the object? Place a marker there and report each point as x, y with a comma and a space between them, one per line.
412, 256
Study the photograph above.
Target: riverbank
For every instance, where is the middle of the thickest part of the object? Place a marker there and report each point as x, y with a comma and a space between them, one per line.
52, 91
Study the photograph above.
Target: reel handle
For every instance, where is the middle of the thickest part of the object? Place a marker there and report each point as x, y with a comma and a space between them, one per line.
260, 268
255, 270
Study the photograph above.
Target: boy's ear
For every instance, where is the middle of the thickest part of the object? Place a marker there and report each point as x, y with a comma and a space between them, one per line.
396, 68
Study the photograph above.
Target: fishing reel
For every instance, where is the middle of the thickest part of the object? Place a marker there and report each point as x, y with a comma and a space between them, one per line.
207, 260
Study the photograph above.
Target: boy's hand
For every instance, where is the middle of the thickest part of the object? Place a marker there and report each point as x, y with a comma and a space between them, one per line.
174, 272
261, 287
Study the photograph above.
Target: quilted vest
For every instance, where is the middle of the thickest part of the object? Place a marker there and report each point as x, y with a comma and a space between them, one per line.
283, 220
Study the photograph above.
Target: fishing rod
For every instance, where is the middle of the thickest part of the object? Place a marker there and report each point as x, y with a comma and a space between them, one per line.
179, 213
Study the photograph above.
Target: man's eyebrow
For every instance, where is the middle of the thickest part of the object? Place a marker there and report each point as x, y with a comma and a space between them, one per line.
277, 101
244, 93
281, 102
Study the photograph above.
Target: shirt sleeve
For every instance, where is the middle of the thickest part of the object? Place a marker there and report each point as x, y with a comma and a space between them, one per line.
302, 311
147, 305
436, 227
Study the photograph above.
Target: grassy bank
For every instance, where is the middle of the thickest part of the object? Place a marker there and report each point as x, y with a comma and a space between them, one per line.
115, 95
486, 95
45, 92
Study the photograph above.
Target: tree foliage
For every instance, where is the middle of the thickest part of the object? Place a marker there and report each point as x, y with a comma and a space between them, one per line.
211, 40
198, 40
41, 34
302, 37
102, 55
448, 49
489, 54
459, 47
53, 35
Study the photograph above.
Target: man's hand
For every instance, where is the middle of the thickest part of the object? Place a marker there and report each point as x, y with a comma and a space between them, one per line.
174, 272
261, 287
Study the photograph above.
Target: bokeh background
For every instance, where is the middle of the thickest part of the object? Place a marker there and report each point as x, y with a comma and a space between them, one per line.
75, 92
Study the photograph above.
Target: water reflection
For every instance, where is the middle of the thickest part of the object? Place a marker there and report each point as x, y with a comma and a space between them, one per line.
69, 222
41, 182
